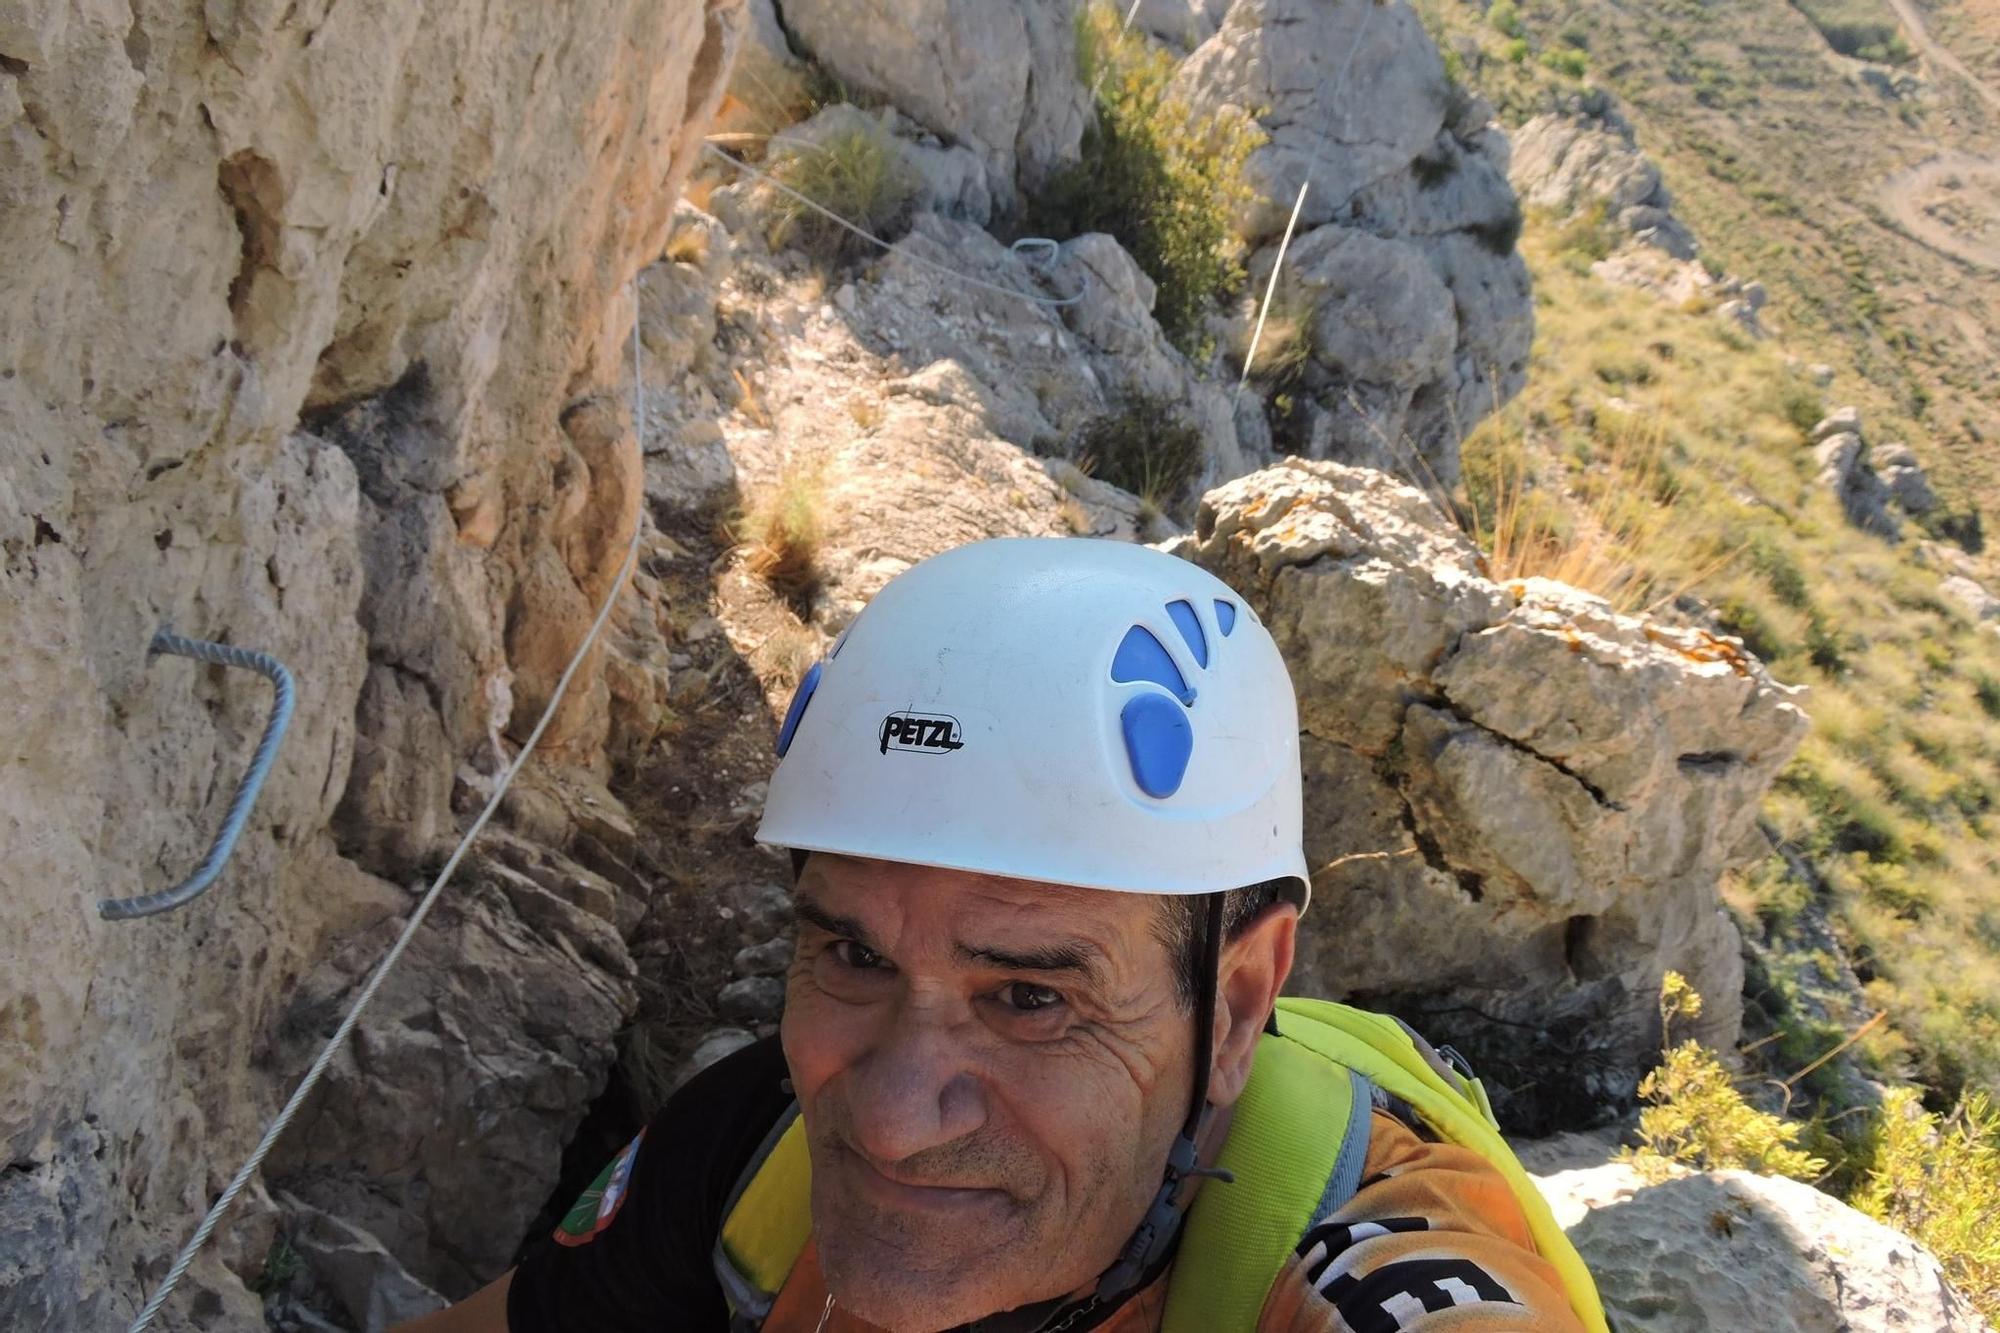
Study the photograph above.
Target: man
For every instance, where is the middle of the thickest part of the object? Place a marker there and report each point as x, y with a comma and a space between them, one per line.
1033, 1073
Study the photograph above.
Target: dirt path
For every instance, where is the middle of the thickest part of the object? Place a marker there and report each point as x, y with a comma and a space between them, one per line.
1912, 20
1952, 204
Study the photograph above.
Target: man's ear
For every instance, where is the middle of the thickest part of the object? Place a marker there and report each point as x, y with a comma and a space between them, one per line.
1254, 967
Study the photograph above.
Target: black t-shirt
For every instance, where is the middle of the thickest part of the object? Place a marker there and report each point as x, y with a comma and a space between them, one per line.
641, 1261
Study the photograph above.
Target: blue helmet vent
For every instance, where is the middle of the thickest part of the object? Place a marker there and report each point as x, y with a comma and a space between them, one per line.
1225, 616
1190, 628
800, 698
1159, 740
1143, 657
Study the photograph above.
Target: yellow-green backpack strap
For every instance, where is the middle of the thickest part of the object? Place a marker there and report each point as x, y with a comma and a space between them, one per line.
1390, 1056
1287, 1165
766, 1222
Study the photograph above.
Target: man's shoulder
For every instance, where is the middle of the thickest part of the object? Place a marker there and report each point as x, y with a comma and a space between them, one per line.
1433, 1241
634, 1250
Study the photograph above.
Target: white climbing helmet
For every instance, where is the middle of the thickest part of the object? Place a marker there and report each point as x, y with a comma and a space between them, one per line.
1055, 709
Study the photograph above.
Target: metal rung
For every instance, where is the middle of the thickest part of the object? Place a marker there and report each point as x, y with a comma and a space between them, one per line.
219, 851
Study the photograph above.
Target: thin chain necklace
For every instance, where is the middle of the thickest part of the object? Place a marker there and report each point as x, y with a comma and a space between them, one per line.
824, 1315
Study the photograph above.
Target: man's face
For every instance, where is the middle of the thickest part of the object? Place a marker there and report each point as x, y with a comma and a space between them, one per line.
991, 1073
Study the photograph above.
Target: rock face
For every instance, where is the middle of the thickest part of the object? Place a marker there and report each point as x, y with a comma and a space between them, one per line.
996, 76
1696, 1252
1519, 801
307, 308
1564, 161
1584, 157
1868, 480
1404, 265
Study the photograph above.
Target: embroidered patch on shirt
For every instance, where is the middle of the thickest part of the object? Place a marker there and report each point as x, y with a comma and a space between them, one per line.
596, 1206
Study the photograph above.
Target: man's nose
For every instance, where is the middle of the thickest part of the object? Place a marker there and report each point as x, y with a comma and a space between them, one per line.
915, 1088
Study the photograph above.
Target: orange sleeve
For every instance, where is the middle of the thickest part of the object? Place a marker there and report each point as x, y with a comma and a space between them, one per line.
1433, 1242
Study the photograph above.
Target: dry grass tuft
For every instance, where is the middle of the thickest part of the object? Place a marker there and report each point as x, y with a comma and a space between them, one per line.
782, 530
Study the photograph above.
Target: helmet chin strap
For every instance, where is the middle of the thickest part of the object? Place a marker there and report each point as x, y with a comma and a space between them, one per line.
1151, 1246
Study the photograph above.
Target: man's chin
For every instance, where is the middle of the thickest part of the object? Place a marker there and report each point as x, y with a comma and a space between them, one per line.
902, 1292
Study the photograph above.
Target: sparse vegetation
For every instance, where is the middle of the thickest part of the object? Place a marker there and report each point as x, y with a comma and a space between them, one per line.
1166, 182
856, 173
1698, 481
1864, 29
1147, 448
782, 529
1937, 1178
1697, 1119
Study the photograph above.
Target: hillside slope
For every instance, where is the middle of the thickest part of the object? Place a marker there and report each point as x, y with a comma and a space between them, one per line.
1667, 457
1865, 194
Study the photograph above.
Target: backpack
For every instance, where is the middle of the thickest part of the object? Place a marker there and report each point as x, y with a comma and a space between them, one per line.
1296, 1145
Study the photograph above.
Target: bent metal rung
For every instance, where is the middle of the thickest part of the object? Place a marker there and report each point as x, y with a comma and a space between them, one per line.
219, 851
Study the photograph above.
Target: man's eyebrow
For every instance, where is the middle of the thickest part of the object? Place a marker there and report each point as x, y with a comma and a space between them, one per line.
1069, 956
811, 913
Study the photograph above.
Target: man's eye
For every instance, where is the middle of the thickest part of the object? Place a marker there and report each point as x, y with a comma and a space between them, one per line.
851, 953
1026, 997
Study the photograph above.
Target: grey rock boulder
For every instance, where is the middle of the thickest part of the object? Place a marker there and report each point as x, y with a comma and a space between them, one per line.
1697, 1252
995, 76
1904, 475
1840, 421
1520, 801
1350, 92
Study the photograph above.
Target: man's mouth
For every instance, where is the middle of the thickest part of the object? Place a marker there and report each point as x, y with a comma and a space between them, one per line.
885, 1188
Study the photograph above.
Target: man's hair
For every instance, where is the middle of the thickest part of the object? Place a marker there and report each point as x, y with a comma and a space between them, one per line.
1183, 916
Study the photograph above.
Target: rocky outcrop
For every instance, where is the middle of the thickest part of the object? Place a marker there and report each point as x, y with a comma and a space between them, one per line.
1584, 157
310, 305
995, 76
1569, 160
1404, 269
1696, 1252
1868, 480
1518, 801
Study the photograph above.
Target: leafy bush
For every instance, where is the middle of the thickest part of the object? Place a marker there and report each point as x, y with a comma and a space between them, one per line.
1505, 18
1567, 61
1698, 1119
1147, 449
1168, 183
857, 173
1937, 1178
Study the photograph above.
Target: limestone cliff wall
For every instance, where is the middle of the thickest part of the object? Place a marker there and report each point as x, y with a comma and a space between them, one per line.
305, 308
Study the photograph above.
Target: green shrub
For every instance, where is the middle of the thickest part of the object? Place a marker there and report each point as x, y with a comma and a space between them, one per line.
1825, 646
1744, 621
857, 173
1799, 402
1147, 448
1168, 183
1937, 1178
1567, 61
1516, 51
1987, 690
1505, 18
1781, 571
1697, 1118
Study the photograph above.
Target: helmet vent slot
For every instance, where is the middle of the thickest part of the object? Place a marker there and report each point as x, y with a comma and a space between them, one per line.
1225, 616
1142, 657
1190, 628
